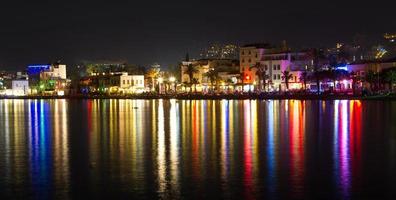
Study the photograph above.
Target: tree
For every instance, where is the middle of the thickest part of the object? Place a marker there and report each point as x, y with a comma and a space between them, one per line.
190, 71
286, 76
353, 75
262, 74
152, 74
304, 78
194, 83
391, 78
371, 78
212, 76
318, 57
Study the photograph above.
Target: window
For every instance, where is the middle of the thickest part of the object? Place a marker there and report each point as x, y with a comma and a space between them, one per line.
256, 55
274, 67
250, 52
243, 52
123, 82
265, 67
279, 77
243, 60
250, 60
278, 67
274, 76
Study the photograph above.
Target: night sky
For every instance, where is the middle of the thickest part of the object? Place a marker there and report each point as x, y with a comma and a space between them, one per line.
163, 31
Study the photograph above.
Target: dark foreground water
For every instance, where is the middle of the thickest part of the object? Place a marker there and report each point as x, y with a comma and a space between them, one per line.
170, 149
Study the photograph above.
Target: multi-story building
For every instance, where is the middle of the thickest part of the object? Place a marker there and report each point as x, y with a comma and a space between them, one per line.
274, 62
48, 78
249, 56
20, 87
362, 67
55, 71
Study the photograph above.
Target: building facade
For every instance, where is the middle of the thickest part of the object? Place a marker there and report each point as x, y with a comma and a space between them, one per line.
227, 71
271, 62
113, 83
20, 87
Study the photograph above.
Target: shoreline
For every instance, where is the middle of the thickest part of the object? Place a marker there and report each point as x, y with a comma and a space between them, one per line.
217, 97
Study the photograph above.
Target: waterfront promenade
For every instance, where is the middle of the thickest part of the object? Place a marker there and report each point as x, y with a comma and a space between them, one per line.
199, 96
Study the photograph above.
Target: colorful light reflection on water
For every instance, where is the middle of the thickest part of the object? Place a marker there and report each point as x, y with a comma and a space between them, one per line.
196, 149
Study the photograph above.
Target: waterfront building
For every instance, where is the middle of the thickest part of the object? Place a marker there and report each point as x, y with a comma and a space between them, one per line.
272, 63
225, 74
119, 83
362, 67
55, 71
20, 87
249, 56
48, 79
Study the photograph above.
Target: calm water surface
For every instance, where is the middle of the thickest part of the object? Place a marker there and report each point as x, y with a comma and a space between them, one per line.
173, 149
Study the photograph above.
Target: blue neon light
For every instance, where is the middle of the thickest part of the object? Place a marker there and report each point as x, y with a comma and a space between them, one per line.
342, 67
37, 69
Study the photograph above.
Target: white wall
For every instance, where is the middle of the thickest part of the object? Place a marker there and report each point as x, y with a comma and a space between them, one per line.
20, 87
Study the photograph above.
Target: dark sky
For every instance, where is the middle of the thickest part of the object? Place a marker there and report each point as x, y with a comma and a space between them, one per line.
145, 32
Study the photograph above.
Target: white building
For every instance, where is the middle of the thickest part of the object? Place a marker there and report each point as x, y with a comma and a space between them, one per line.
56, 71
122, 82
19, 87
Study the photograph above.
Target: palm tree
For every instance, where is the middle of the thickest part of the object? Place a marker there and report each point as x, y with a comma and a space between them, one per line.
286, 76
190, 71
304, 78
262, 74
391, 78
371, 78
194, 83
152, 74
212, 76
317, 56
353, 75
